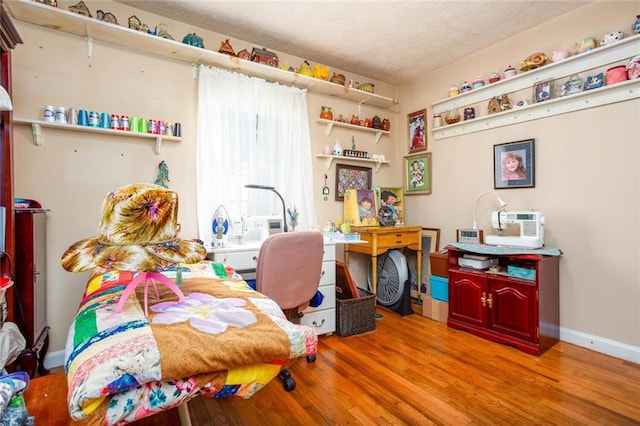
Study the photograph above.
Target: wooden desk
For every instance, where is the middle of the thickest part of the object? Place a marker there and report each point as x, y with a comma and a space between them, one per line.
380, 239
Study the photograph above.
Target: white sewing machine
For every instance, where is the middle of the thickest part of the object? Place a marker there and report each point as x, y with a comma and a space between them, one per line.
531, 229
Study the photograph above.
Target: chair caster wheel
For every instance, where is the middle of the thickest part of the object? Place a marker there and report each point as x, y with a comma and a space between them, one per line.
311, 358
287, 381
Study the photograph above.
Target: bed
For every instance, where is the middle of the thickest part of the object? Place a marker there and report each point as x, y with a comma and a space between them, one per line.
225, 339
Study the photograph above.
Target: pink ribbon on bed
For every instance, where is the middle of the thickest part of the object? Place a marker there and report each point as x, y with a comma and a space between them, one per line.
145, 277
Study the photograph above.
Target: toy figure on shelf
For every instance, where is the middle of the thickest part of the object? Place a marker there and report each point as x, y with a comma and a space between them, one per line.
81, 9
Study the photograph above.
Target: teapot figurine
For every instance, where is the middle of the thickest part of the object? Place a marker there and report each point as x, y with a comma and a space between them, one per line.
193, 40
355, 120
326, 113
305, 69
386, 125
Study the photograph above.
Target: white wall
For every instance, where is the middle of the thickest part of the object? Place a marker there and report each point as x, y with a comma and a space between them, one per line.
587, 182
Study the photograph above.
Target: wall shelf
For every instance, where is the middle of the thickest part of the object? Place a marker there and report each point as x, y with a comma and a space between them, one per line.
329, 160
94, 29
37, 125
600, 57
588, 99
330, 124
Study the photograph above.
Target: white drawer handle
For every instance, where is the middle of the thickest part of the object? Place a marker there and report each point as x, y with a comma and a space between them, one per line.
321, 324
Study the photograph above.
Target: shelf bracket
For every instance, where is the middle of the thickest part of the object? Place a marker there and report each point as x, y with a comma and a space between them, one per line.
329, 128
328, 163
378, 134
37, 134
158, 144
194, 70
89, 40
377, 166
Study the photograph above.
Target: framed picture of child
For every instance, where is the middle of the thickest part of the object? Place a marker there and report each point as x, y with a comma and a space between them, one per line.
417, 174
393, 198
417, 131
514, 165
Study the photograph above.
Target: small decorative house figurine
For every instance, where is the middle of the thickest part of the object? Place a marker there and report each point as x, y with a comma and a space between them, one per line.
134, 23
81, 9
244, 54
534, 60
263, 56
225, 47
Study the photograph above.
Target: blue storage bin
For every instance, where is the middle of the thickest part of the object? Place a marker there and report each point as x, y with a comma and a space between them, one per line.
439, 288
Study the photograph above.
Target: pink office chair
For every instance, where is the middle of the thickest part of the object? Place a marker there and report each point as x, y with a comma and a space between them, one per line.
288, 271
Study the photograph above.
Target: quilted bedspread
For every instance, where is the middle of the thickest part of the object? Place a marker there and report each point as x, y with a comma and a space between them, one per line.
223, 339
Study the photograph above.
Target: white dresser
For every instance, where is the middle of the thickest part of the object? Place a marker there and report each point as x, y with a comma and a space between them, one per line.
244, 258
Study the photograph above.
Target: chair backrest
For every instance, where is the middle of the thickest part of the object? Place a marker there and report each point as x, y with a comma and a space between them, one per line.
289, 267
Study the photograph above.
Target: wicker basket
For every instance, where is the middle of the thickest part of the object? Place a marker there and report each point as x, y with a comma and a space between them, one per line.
356, 316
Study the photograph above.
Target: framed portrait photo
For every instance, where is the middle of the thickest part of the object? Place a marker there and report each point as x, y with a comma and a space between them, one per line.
417, 174
417, 122
543, 91
514, 165
351, 177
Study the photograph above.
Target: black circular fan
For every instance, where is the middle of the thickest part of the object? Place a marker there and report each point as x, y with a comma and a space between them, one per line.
393, 273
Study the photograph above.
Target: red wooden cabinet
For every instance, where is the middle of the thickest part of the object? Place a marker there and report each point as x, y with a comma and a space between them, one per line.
520, 312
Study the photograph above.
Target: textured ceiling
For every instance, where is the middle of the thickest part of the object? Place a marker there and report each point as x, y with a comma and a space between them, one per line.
390, 41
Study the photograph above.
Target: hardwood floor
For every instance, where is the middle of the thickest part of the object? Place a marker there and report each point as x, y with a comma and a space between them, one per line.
413, 370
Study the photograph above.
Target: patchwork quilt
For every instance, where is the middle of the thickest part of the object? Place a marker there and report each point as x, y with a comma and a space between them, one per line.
223, 339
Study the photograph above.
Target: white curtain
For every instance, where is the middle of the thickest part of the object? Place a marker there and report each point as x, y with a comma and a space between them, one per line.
251, 132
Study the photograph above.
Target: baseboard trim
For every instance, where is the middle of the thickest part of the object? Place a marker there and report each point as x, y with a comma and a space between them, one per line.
54, 359
578, 338
601, 344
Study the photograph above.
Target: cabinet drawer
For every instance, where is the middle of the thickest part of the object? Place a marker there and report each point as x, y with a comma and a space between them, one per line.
328, 273
322, 322
329, 301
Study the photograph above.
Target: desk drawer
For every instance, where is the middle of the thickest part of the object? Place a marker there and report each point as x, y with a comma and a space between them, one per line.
322, 322
398, 239
240, 260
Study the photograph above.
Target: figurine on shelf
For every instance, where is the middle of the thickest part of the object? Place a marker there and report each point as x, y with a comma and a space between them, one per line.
376, 123
225, 47
164, 32
163, 175
386, 125
81, 9
106, 17
193, 40
636, 25
326, 113
594, 81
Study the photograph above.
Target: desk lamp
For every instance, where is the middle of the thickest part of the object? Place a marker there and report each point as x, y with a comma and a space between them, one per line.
502, 205
272, 189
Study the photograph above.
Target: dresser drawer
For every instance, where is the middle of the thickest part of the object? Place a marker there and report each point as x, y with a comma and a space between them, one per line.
329, 252
329, 301
322, 322
328, 273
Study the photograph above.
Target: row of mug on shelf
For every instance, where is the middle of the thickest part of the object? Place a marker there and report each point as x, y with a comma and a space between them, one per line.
111, 121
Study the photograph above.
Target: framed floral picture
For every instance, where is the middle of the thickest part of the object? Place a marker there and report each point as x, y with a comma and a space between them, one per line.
514, 164
351, 177
417, 131
417, 174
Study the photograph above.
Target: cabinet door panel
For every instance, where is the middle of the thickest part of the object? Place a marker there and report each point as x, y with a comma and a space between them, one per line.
513, 310
466, 292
